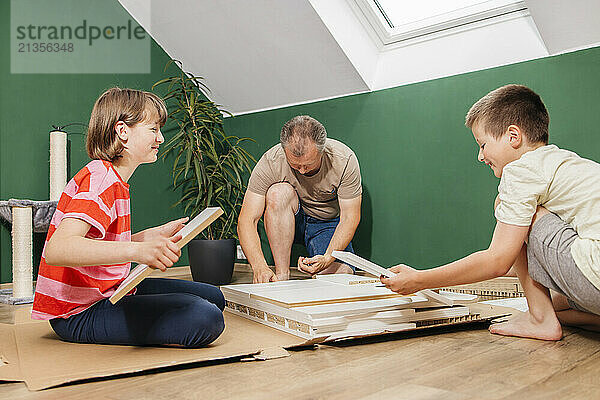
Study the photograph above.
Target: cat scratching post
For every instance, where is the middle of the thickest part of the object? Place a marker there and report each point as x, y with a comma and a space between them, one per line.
22, 255
58, 163
26, 217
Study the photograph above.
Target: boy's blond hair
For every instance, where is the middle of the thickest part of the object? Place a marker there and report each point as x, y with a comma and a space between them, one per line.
128, 105
511, 105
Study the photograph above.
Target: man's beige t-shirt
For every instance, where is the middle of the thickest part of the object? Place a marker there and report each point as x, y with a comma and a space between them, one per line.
339, 176
565, 184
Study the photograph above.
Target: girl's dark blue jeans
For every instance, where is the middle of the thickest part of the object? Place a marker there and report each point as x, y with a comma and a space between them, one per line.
162, 312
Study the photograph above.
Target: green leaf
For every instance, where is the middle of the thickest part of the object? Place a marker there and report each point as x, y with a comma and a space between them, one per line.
208, 163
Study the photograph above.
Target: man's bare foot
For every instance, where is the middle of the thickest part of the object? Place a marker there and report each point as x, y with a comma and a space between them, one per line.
525, 325
283, 276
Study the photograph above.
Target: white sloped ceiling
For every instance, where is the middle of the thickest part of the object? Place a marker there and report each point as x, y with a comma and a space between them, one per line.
255, 54
262, 54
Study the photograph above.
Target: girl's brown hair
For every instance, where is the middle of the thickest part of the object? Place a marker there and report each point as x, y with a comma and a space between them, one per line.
128, 105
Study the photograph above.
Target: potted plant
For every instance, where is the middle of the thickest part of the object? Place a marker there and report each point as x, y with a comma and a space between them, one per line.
208, 168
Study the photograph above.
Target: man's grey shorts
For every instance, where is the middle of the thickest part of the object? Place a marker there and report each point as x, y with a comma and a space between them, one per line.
550, 263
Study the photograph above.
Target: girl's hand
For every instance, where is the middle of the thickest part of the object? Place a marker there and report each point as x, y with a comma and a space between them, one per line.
406, 281
162, 231
171, 228
160, 253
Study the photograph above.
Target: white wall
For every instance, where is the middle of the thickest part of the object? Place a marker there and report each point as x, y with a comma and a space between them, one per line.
567, 25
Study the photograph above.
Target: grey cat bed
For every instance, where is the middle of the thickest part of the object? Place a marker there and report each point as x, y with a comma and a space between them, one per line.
42, 212
6, 297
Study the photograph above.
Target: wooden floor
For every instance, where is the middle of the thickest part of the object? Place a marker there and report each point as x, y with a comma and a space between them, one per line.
444, 364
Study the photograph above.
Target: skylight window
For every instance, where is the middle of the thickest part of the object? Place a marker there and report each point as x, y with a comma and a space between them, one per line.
395, 20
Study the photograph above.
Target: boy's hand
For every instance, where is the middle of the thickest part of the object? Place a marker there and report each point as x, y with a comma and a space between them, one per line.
406, 281
160, 253
315, 264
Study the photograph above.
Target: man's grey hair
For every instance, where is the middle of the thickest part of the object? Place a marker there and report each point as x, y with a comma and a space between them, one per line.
299, 128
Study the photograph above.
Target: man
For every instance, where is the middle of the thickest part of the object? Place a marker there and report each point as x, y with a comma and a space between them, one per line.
308, 187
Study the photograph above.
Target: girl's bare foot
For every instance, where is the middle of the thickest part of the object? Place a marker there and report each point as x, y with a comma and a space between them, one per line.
525, 325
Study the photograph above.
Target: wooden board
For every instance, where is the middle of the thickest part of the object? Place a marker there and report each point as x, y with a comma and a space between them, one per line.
365, 327
326, 298
297, 320
377, 270
359, 307
337, 327
391, 316
297, 298
311, 292
188, 232
504, 286
324, 308
347, 279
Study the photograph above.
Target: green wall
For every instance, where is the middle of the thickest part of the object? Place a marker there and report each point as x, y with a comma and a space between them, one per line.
426, 199
31, 103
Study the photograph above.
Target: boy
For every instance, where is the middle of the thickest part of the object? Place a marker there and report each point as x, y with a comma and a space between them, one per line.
548, 220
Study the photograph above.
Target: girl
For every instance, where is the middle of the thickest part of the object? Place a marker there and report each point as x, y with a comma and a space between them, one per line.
89, 246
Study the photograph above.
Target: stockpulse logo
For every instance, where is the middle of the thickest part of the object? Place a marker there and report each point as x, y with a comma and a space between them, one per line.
83, 31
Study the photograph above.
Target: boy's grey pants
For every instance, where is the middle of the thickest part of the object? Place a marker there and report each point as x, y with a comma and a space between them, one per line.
550, 263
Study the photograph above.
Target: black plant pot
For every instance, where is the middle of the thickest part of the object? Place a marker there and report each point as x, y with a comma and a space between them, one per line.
211, 261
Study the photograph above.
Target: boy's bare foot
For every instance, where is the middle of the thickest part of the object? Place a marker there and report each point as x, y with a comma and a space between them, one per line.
525, 325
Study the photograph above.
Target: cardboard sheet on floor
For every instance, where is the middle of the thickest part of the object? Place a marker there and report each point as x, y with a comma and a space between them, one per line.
32, 353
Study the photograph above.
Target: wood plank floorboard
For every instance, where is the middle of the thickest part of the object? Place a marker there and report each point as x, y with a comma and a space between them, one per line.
450, 364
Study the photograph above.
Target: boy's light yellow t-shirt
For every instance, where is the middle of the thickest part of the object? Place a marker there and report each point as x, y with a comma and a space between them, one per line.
563, 183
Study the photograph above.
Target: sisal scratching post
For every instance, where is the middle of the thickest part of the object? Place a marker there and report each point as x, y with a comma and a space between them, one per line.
58, 163
22, 256
25, 216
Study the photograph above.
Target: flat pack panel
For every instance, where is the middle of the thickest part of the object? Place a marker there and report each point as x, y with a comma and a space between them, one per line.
503, 286
347, 279
378, 270
387, 317
313, 292
188, 232
359, 307
274, 304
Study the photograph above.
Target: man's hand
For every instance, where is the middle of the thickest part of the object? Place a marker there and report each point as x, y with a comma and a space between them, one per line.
315, 264
406, 281
263, 275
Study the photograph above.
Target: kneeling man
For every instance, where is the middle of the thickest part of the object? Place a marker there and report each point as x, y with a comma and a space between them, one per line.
308, 187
